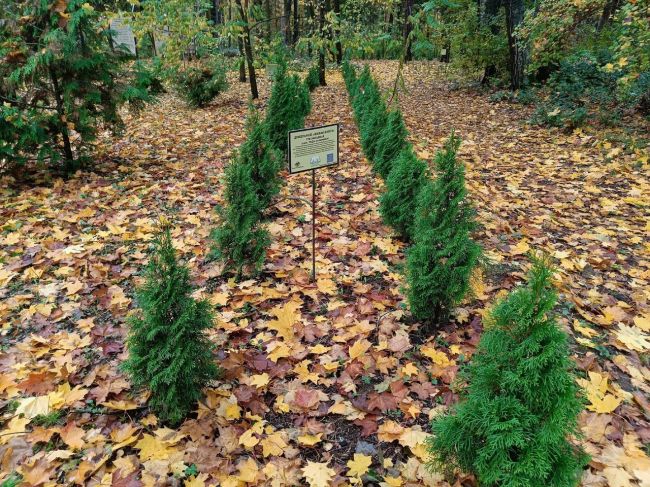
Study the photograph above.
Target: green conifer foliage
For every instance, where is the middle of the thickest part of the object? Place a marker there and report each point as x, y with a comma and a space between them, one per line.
397, 205
521, 402
363, 85
312, 80
169, 353
264, 160
374, 121
240, 241
288, 106
390, 143
440, 262
349, 76
60, 83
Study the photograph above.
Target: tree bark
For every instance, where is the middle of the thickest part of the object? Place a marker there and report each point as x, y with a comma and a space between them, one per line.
518, 53
337, 33
242, 60
487, 16
296, 28
248, 49
407, 7
321, 50
69, 162
216, 12
611, 6
286, 22
267, 12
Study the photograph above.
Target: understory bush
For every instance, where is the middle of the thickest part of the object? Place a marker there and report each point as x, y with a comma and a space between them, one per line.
169, 353
520, 403
312, 80
240, 241
391, 142
200, 85
443, 255
288, 106
60, 83
264, 160
397, 204
576, 89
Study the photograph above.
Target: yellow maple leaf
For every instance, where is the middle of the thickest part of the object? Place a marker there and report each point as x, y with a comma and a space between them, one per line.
31, 407
259, 380
310, 440
392, 482
248, 470
359, 348
327, 286
273, 445
389, 431
596, 389
359, 465
409, 369
437, 357
278, 350
15, 426
286, 317
317, 474
643, 322
248, 438
153, 448
632, 338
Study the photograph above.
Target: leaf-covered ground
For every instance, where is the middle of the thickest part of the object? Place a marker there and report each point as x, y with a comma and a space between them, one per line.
324, 383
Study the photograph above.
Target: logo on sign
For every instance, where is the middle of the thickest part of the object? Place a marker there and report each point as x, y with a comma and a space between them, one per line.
315, 160
330, 157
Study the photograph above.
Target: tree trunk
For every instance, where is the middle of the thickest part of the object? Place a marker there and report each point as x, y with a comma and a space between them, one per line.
611, 6
321, 50
267, 12
242, 60
248, 49
286, 22
296, 29
216, 12
518, 53
487, 16
69, 163
311, 14
337, 33
406, 31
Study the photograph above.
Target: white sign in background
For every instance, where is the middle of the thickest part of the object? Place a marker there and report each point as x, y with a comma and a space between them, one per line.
123, 35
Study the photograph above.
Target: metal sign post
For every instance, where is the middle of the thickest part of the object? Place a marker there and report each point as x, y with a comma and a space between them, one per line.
310, 149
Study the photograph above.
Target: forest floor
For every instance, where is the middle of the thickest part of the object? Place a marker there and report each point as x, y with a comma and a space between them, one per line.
314, 372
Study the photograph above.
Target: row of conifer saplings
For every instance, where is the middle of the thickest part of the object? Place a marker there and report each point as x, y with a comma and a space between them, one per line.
169, 352
516, 422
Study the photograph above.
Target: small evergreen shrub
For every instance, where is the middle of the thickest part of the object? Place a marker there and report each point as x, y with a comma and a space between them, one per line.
148, 77
240, 241
169, 353
391, 142
372, 124
349, 76
60, 84
312, 80
200, 85
288, 106
440, 262
397, 205
264, 161
520, 403
575, 88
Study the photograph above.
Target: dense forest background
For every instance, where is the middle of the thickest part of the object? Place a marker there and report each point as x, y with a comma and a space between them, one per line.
576, 61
